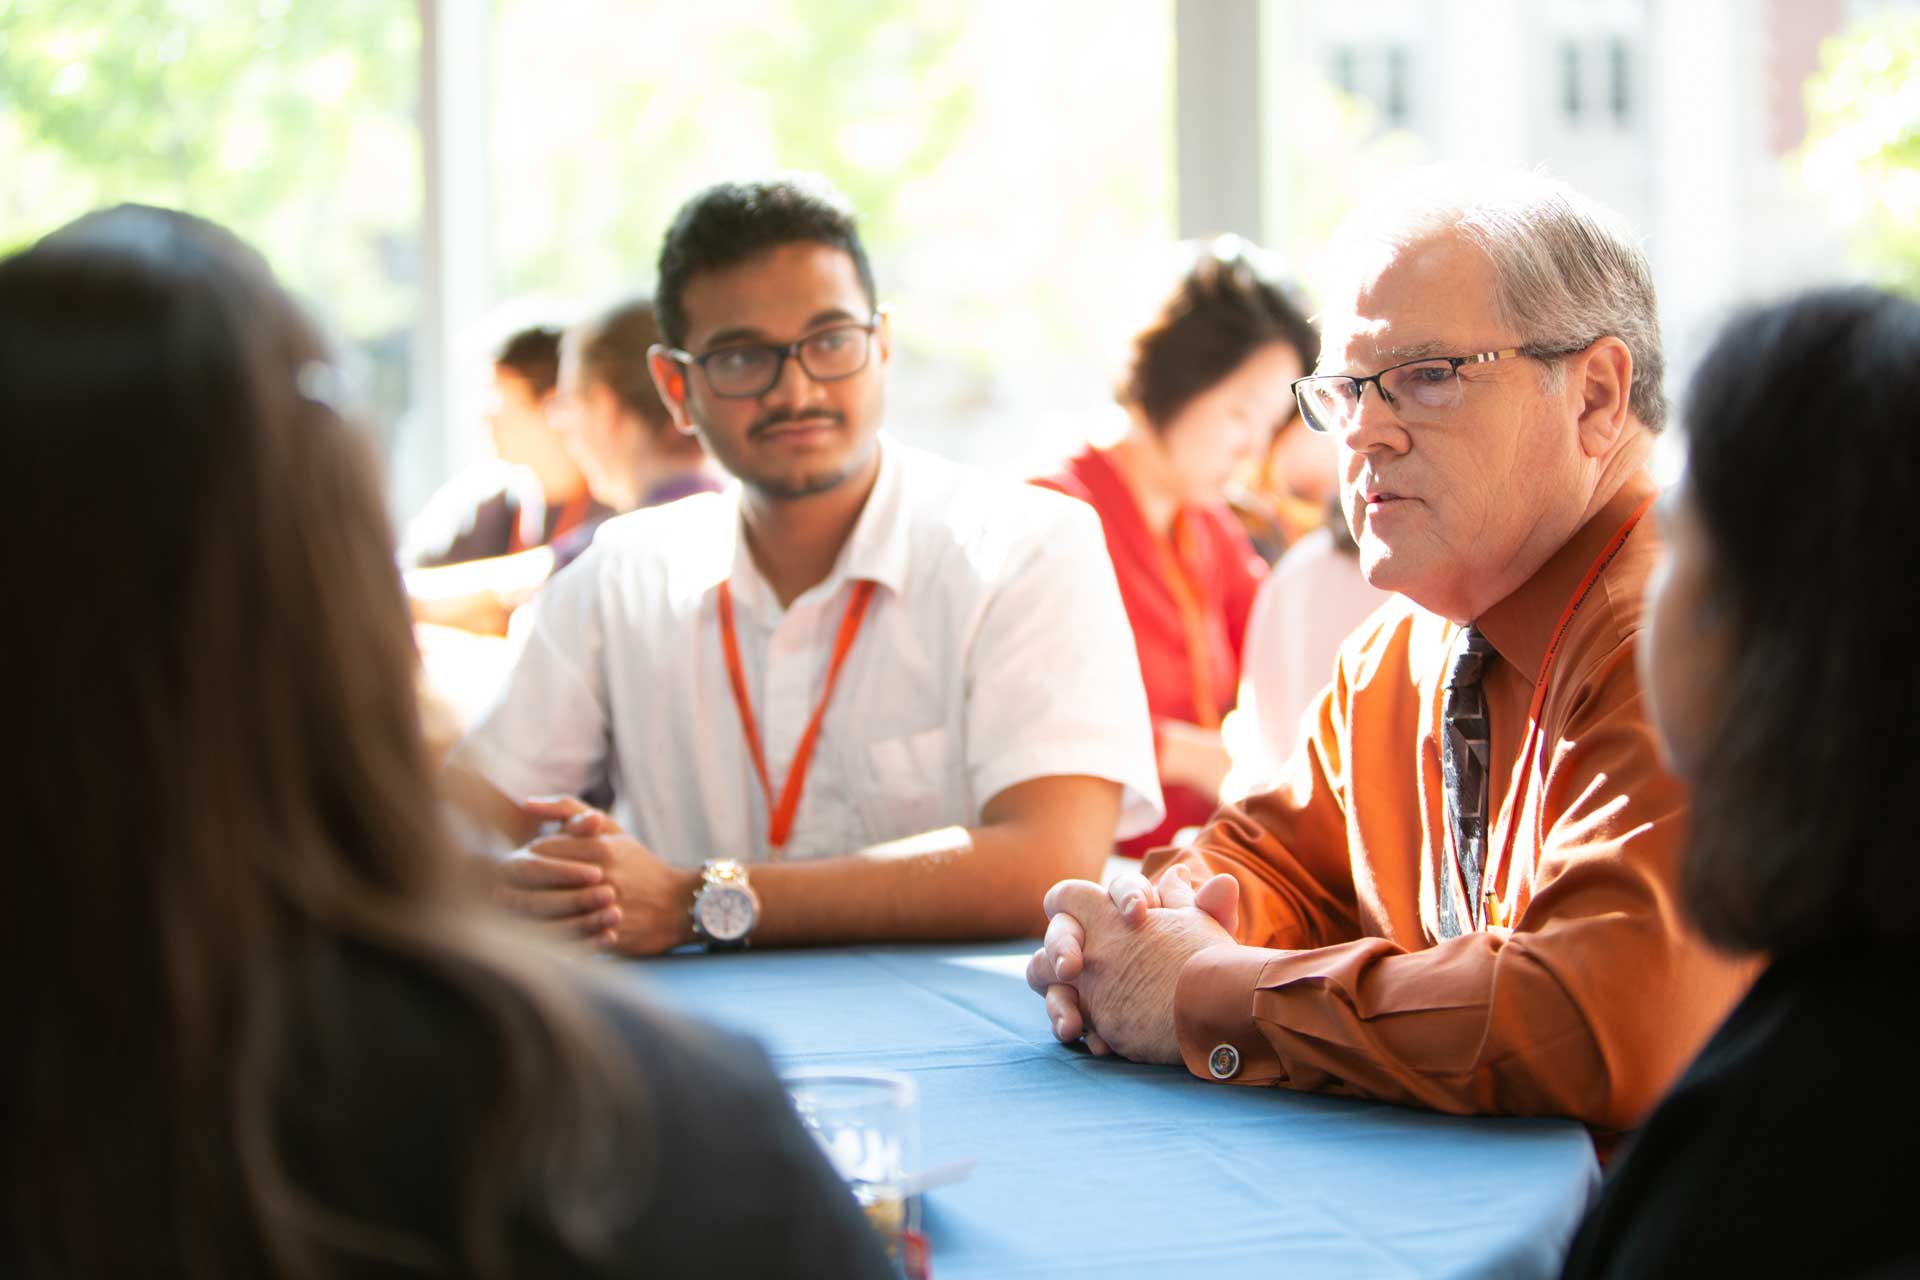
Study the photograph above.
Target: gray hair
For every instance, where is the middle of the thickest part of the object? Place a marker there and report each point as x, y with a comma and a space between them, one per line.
1566, 269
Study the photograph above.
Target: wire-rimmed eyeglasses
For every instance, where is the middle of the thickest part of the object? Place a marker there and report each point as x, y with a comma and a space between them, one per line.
1418, 391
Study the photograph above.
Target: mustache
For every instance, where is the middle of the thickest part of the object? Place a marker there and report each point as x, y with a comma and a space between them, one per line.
780, 417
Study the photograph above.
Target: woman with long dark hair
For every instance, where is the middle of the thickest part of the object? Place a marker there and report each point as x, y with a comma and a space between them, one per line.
1784, 690
253, 1023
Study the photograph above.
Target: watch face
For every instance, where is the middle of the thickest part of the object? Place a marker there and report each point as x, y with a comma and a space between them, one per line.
725, 912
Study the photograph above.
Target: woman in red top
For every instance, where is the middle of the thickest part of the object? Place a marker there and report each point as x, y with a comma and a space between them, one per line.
1207, 385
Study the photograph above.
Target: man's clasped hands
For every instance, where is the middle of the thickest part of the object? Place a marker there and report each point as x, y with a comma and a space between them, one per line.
1112, 957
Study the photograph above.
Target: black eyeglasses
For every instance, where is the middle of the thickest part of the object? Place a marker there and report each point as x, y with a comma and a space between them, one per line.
748, 369
1418, 391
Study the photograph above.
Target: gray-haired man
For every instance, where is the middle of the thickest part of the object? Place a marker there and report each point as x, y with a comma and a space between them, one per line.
1460, 895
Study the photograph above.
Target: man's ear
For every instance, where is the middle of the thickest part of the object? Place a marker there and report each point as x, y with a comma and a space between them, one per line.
1603, 377
883, 335
670, 380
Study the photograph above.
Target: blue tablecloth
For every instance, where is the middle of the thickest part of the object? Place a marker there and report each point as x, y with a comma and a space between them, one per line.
1095, 1166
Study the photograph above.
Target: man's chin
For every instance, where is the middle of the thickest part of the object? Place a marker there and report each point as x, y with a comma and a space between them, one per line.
804, 481
805, 477
802, 486
1379, 566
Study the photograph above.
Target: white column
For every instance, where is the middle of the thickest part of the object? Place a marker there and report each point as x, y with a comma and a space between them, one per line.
1217, 116
455, 39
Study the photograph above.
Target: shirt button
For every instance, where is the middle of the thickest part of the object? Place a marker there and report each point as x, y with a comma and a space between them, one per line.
1224, 1062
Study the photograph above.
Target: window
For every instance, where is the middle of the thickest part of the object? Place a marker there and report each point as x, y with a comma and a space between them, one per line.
1008, 161
293, 124
1346, 69
1396, 97
1382, 75
1620, 82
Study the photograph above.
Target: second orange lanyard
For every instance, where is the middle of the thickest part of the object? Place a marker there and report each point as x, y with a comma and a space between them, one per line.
781, 811
1498, 856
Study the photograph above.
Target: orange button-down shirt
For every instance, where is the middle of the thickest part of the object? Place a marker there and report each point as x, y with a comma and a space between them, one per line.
1586, 994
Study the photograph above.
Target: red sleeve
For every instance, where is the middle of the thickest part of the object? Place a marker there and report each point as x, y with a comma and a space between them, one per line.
1240, 575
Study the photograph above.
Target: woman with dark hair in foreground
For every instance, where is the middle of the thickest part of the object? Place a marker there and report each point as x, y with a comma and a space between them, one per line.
1785, 693
253, 1025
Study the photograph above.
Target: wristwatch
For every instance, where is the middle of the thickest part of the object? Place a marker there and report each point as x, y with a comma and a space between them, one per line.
725, 908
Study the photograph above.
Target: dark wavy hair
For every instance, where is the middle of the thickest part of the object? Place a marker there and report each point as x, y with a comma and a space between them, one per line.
1223, 310
534, 354
228, 804
730, 222
1804, 469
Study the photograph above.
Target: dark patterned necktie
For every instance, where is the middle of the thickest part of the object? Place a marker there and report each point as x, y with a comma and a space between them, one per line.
1463, 764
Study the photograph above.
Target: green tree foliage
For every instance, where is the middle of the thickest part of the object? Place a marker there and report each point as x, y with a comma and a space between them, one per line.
1862, 153
616, 113
290, 122
868, 94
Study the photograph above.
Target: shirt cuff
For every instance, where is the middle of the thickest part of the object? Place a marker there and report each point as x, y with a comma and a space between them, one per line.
1213, 1016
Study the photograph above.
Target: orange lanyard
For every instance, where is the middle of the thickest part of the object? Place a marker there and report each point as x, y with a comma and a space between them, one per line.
1186, 600
780, 815
1508, 817
570, 515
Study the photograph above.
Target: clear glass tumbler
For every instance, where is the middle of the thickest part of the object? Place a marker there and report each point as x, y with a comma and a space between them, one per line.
868, 1123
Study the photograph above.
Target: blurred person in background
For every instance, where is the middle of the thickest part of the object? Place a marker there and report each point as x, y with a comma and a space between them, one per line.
604, 414
864, 694
609, 413
258, 1027
530, 493
480, 547
1314, 597
1282, 492
607, 416
1207, 383
1784, 693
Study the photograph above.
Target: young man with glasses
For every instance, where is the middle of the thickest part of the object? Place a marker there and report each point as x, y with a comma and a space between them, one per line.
1459, 895
867, 694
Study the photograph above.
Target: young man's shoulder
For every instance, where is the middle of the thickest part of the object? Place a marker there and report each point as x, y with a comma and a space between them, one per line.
692, 531
653, 564
642, 530
971, 505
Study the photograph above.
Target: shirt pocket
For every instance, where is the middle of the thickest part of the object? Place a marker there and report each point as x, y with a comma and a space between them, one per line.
909, 791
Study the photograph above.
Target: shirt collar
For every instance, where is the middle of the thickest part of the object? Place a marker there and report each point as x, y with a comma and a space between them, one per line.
1521, 626
877, 549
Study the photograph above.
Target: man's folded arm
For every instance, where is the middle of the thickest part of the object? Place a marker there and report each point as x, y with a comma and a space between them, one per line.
1287, 847
1588, 1007
954, 883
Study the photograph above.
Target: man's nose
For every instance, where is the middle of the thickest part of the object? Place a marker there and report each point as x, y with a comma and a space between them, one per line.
1372, 425
794, 386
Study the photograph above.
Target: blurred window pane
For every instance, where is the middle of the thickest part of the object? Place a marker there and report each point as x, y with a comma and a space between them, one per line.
293, 124
1008, 160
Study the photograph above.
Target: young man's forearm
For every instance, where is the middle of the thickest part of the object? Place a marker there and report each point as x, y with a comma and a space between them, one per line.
950, 884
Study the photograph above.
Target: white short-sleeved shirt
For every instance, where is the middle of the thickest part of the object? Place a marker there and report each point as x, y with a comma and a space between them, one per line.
995, 651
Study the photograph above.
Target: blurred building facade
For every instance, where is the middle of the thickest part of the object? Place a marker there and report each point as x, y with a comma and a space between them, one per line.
1681, 114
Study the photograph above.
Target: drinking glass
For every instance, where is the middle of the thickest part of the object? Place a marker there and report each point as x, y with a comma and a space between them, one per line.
868, 1124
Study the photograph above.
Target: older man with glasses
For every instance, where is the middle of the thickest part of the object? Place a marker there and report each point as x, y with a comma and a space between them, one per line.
865, 695
1461, 893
